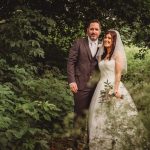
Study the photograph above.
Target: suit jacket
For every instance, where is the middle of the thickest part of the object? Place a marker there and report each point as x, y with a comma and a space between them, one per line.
81, 66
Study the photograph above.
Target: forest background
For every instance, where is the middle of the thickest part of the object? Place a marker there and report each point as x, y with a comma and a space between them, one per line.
36, 106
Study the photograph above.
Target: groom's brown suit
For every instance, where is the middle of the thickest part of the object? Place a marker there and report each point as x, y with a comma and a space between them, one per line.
81, 68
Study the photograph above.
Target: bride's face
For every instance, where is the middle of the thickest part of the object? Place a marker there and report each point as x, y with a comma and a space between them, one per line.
108, 41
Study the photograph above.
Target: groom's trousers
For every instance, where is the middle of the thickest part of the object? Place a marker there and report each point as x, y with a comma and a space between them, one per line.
82, 100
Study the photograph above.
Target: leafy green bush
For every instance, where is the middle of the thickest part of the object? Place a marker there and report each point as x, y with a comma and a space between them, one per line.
137, 82
34, 96
31, 118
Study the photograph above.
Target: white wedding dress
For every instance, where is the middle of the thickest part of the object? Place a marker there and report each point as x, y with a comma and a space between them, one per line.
113, 123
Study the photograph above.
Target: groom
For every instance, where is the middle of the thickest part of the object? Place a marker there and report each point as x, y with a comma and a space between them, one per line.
82, 66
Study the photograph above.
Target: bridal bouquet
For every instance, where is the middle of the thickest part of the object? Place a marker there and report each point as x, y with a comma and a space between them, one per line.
108, 93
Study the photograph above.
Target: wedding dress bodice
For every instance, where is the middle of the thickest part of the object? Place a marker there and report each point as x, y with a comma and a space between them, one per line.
107, 70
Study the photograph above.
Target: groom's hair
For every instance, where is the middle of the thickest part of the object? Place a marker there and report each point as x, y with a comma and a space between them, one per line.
93, 21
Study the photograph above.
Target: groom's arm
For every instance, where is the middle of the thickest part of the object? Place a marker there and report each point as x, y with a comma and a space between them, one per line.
72, 61
71, 65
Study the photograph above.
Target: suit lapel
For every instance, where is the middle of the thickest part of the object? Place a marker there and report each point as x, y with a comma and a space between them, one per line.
86, 44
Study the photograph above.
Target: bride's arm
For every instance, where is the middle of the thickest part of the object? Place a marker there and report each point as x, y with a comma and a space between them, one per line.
118, 72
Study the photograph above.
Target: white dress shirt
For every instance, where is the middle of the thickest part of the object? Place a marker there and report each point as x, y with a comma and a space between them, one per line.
93, 46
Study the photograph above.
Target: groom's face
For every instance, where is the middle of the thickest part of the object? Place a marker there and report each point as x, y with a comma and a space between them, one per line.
93, 31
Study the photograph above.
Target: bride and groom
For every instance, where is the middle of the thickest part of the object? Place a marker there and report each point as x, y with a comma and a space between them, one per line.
113, 121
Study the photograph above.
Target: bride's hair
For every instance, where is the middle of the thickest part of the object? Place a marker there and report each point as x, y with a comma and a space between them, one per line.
117, 52
114, 36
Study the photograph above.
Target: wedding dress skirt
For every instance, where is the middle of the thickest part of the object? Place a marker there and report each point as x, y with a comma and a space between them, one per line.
113, 123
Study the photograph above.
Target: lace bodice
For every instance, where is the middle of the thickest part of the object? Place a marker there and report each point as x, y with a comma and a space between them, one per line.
107, 69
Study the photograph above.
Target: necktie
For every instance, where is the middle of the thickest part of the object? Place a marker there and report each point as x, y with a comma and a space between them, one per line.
93, 48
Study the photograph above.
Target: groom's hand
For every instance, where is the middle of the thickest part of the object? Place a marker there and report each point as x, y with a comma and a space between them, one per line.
73, 87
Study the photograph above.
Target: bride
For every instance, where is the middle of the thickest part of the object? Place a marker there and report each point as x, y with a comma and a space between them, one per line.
113, 117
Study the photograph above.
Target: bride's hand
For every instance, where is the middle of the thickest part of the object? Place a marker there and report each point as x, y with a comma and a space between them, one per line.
117, 94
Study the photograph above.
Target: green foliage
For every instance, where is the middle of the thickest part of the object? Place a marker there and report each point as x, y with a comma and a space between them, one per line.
64, 35
30, 118
137, 79
34, 98
24, 36
69, 13
138, 71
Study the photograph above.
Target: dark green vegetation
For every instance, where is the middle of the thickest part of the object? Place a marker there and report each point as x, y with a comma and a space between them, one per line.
35, 36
